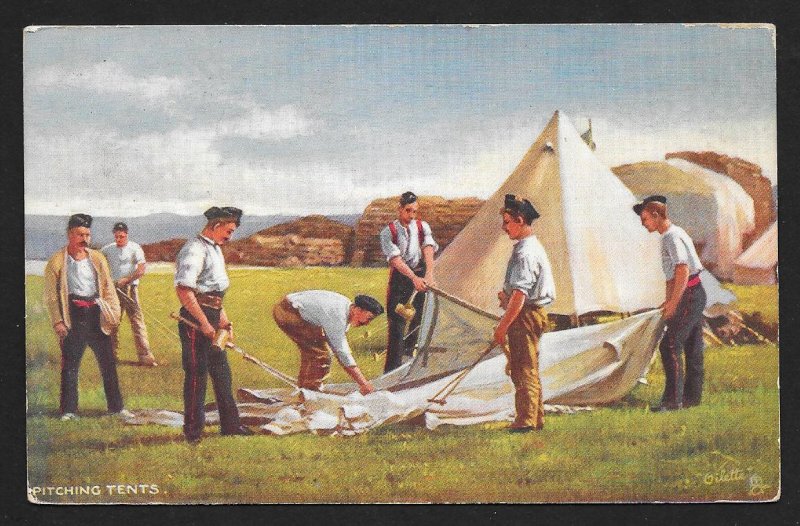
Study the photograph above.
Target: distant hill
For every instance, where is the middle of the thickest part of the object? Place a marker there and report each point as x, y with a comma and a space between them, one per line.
44, 234
311, 240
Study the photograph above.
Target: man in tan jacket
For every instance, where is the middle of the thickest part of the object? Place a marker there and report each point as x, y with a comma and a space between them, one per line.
84, 309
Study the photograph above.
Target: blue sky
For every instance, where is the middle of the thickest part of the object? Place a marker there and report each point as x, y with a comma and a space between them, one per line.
322, 119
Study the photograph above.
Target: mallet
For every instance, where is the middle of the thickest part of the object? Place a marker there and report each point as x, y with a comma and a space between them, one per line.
222, 342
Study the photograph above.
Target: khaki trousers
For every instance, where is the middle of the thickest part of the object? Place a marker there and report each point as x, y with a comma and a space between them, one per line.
315, 352
133, 309
523, 361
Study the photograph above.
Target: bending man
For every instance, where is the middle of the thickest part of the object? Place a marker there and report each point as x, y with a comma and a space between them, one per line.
317, 320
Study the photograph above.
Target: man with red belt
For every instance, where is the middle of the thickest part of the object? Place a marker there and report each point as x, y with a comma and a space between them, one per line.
84, 310
317, 320
200, 283
527, 288
683, 308
408, 245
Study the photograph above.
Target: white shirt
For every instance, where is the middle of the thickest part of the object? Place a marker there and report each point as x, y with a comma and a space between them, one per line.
529, 272
81, 278
200, 265
408, 246
677, 248
123, 260
329, 310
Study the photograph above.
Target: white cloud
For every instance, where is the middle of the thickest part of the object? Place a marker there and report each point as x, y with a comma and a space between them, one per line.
109, 78
184, 170
261, 124
754, 141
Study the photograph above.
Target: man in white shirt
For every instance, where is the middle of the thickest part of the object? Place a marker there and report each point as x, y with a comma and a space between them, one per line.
683, 308
84, 309
528, 287
408, 244
127, 264
317, 320
201, 281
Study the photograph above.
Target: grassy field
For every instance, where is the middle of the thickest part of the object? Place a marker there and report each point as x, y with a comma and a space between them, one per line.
725, 449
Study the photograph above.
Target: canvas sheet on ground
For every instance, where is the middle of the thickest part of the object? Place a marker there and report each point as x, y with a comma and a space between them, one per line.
579, 367
235, 169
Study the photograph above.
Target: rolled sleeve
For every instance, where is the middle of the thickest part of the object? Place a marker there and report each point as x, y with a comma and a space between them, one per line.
139, 255
523, 276
390, 250
188, 266
677, 252
341, 349
428, 240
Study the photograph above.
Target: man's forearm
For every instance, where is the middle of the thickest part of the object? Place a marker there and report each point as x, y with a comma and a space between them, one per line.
513, 309
678, 284
399, 265
427, 256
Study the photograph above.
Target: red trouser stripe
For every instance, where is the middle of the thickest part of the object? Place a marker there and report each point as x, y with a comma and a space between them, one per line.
194, 375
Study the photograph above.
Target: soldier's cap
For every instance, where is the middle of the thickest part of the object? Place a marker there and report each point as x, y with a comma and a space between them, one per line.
408, 198
226, 212
522, 206
368, 303
76, 220
119, 226
637, 208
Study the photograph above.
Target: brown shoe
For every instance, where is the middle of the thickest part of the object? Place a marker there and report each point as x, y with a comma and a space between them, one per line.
147, 360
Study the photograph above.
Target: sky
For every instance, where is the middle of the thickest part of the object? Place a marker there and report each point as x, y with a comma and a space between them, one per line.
128, 121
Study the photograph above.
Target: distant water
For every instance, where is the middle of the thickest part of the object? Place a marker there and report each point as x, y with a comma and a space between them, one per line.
34, 267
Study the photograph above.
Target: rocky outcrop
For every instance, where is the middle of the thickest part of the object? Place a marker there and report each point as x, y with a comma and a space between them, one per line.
163, 250
446, 217
309, 241
748, 175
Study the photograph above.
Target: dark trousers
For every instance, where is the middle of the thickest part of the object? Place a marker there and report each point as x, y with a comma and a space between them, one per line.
684, 335
85, 331
199, 362
399, 291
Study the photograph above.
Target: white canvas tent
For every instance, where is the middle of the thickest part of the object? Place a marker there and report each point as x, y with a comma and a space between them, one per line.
603, 260
758, 264
714, 209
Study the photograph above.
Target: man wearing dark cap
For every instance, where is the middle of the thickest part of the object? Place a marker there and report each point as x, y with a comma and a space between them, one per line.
317, 320
683, 308
408, 245
527, 288
200, 283
127, 263
84, 310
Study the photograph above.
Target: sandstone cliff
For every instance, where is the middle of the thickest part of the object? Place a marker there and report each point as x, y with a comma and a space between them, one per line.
446, 217
311, 240
163, 250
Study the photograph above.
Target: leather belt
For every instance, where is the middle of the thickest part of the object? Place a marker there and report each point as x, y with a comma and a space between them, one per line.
209, 300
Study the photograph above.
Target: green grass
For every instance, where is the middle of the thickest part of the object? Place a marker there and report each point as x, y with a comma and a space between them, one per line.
726, 449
